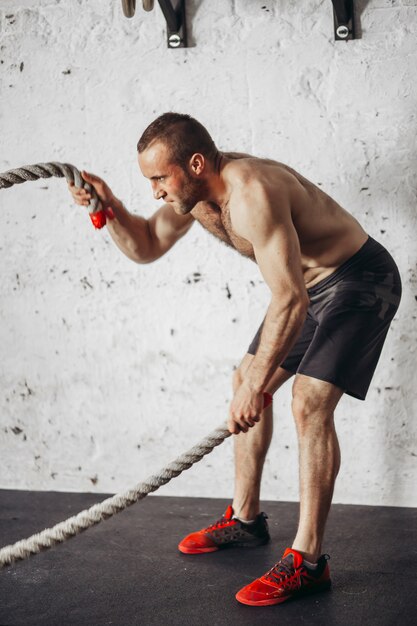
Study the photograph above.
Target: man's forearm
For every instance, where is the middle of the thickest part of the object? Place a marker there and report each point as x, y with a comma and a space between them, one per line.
282, 326
131, 234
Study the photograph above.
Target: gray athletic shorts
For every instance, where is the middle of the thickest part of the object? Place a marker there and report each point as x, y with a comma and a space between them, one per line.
347, 321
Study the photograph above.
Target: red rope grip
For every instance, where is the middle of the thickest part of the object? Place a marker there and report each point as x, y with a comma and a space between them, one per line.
99, 218
267, 399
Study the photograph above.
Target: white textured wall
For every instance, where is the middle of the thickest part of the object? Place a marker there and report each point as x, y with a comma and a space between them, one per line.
110, 369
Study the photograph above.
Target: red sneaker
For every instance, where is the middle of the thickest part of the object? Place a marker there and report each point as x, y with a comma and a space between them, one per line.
225, 533
289, 578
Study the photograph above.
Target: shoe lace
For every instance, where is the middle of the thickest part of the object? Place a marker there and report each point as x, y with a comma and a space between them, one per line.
281, 572
219, 522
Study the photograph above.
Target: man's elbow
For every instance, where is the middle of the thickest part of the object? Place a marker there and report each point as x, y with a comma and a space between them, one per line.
145, 255
140, 258
137, 252
296, 301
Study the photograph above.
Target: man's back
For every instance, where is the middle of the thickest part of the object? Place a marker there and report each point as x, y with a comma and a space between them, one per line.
328, 235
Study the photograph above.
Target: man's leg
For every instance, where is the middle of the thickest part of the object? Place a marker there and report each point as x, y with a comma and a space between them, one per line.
251, 448
314, 402
250, 451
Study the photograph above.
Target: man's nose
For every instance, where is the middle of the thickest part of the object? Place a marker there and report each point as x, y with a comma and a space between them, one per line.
158, 193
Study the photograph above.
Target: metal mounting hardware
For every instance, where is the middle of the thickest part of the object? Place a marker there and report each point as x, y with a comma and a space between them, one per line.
174, 13
344, 23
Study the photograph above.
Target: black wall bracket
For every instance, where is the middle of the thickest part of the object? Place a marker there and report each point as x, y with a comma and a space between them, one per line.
174, 13
344, 23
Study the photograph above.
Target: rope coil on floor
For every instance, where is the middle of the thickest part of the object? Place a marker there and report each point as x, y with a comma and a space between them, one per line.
115, 504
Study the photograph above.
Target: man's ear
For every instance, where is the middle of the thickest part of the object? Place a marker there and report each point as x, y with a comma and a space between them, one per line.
197, 163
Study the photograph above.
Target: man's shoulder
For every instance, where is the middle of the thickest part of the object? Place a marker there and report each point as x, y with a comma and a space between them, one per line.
264, 188
246, 170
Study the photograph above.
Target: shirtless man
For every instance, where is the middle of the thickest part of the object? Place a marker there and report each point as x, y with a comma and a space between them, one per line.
334, 292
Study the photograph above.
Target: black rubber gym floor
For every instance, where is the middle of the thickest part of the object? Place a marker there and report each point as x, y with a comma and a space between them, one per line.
127, 570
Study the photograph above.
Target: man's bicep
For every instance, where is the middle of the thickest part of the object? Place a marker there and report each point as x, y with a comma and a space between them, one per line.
167, 227
271, 232
277, 253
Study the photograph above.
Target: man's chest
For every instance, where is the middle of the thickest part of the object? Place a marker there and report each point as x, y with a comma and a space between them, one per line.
218, 223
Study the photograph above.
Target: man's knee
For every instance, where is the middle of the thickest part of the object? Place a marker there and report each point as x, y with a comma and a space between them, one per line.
307, 409
313, 401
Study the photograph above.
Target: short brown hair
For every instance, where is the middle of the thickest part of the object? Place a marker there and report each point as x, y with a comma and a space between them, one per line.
183, 136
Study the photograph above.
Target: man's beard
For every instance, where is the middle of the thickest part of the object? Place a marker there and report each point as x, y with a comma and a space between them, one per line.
193, 191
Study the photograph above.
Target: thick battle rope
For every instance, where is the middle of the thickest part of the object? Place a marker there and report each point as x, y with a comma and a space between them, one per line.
103, 510
60, 170
98, 512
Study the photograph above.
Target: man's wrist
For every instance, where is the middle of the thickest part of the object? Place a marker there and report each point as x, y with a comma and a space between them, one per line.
109, 213
114, 208
254, 383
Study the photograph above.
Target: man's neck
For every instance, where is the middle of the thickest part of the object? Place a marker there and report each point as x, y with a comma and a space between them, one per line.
218, 191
